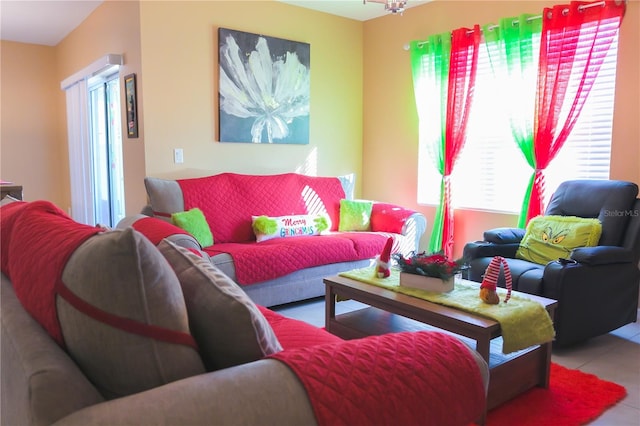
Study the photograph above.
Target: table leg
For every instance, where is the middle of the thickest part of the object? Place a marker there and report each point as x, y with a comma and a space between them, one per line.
545, 367
329, 307
483, 347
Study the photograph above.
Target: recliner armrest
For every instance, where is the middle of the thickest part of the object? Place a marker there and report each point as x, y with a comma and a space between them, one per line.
478, 249
504, 235
601, 255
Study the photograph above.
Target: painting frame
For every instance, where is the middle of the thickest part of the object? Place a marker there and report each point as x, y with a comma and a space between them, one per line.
263, 89
131, 102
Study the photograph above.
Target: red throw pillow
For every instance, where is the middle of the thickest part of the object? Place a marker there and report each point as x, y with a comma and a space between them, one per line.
388, 218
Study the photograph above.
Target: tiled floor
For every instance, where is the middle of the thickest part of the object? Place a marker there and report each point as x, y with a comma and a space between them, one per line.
614, 357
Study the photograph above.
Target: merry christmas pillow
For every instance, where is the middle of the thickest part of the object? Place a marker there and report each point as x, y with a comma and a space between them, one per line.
266, 228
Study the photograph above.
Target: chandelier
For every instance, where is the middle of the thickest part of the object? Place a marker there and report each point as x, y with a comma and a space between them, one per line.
390, 5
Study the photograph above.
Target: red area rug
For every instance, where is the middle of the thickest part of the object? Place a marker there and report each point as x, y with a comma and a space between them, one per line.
573, 398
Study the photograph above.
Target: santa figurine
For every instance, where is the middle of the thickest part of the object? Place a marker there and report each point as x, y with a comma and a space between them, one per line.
383, 261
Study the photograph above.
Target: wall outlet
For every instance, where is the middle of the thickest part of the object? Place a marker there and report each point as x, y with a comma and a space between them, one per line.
178, 156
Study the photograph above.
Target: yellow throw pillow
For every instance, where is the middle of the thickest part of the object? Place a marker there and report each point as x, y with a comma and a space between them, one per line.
552, 237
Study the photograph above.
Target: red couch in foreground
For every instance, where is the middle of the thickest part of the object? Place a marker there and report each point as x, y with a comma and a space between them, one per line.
105, 328
282, 270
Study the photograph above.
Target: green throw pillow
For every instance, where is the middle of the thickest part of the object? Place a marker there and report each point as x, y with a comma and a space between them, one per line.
551, 237
355, 215
194, 222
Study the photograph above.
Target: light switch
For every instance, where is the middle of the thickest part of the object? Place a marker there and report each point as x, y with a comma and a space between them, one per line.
178, 156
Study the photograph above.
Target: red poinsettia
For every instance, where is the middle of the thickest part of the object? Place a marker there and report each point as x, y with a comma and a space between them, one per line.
430, 265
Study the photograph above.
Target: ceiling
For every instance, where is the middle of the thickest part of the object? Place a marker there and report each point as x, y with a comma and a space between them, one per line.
47, 22
44, 22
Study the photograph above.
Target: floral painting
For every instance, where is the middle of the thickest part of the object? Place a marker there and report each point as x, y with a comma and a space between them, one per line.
264, 89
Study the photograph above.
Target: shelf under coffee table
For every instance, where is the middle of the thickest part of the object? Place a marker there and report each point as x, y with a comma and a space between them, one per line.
389, 311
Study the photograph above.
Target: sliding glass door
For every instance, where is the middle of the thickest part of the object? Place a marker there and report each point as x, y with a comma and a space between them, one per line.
106, 150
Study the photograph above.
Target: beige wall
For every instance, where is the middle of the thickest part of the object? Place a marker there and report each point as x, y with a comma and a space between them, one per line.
390, 121
180, 82
30, 153
34, 131
111, 28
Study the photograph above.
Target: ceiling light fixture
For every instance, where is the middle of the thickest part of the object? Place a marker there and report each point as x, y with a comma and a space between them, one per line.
390, 5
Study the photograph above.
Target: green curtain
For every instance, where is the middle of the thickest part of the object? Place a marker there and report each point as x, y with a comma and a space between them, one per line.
430, 68
512, 54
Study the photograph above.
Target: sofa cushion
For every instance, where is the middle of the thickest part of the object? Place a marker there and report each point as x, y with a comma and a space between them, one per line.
611, 201
266, 227
229, 200
165, 197
355, 215
194, 222
228, 326
551, 237
256, 262
123, 315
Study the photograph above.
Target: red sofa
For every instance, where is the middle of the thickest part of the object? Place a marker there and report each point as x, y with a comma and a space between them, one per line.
279, 270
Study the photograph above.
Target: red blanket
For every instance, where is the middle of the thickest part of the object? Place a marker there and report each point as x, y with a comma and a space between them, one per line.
293, 333
228, 200
422, 378
257, 262
156, 229
8, 215
44, 239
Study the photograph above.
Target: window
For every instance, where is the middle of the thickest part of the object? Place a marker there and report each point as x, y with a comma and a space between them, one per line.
491, 172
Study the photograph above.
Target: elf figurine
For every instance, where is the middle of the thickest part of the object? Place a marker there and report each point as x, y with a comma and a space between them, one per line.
383, 261
488, 292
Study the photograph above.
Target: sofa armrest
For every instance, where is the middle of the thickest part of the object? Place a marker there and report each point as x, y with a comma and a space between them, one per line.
263, 392
156, 230
395, 219
381, 374
40, 383
478, 249
601, 255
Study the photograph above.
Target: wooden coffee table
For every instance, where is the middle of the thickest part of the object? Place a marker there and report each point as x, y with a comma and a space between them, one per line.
389, 311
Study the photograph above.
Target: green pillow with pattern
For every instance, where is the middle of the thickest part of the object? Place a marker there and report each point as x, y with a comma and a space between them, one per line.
549, 238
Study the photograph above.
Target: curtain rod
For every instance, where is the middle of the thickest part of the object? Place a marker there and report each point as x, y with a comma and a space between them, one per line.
531, 18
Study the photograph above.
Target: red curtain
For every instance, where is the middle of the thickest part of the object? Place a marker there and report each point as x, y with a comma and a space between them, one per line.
575, 40
462, 76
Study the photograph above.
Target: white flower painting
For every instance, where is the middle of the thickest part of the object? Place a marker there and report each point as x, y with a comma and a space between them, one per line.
264, 89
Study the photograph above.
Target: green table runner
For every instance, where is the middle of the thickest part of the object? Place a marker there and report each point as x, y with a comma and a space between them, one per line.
524, 323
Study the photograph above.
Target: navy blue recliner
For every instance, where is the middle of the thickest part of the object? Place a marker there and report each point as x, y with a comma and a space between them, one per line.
596, 287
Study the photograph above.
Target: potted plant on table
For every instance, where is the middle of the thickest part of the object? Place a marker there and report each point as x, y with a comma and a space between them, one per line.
431, 272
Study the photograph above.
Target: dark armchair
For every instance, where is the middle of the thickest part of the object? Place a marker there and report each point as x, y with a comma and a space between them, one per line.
596, 287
